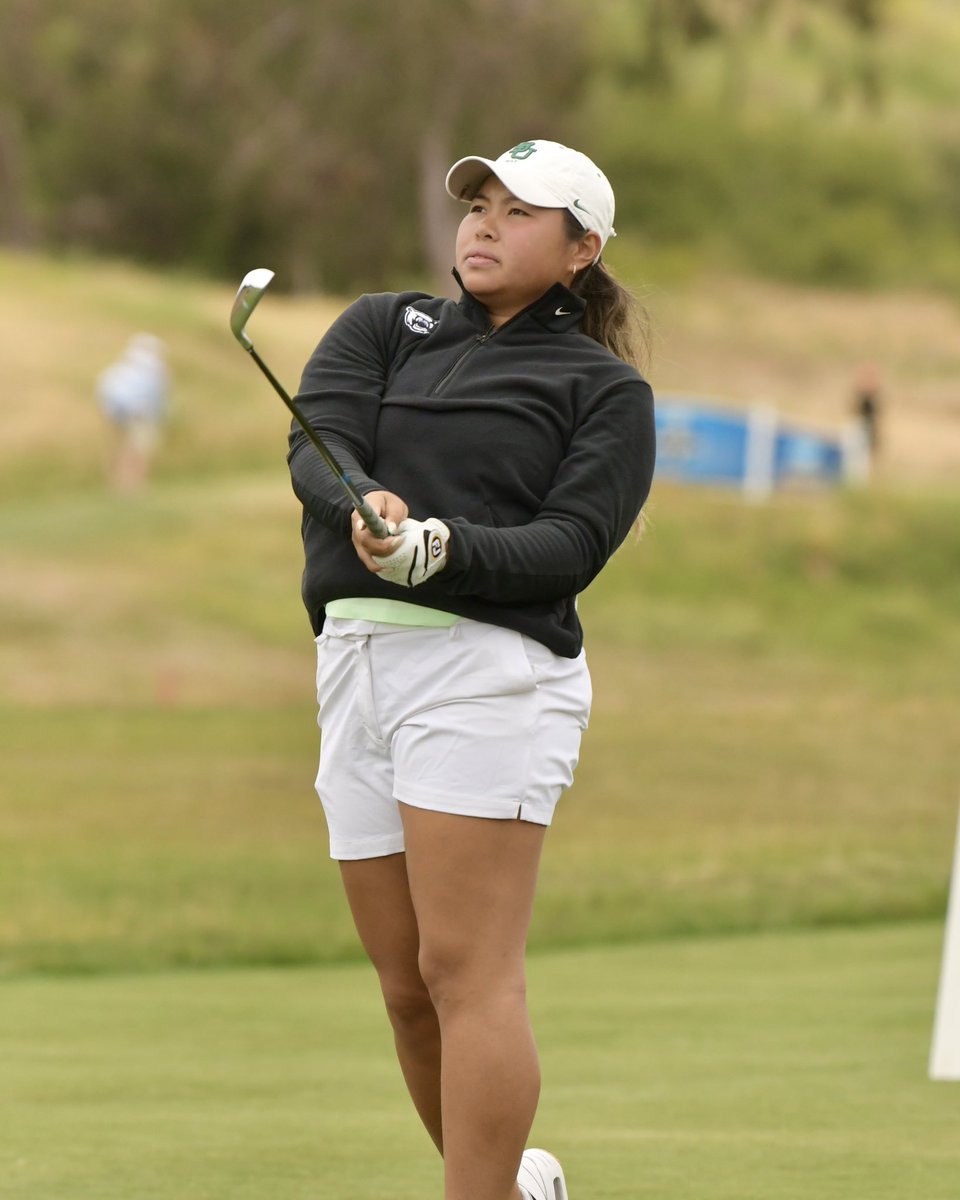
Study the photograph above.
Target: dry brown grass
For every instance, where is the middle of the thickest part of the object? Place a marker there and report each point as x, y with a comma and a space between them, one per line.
739, 341
64, 322
798, 348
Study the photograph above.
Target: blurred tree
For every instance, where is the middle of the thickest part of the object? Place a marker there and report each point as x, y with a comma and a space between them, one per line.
460, 90
216, 132
16, 228
313, 137
655, 46
17, 27
844, 36
366, 107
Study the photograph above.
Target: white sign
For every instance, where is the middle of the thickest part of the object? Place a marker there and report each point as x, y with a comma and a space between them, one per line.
945, 1055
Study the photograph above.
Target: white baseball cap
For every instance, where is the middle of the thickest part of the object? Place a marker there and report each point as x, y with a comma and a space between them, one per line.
545, 174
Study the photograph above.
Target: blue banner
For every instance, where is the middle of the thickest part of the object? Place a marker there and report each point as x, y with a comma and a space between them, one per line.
749, 449
701, 444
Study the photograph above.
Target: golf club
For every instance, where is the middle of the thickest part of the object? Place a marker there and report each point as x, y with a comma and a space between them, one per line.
252, 287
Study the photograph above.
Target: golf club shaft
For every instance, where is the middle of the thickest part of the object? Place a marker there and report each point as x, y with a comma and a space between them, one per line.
374, 522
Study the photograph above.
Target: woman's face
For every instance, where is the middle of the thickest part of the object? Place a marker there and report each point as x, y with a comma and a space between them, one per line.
509, 253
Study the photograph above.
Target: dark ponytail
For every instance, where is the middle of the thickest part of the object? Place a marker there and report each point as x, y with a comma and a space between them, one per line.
614, 317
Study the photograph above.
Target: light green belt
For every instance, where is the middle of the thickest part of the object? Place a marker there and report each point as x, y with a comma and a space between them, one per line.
390, 612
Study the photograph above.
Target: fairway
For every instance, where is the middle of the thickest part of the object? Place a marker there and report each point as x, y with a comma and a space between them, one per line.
775, 1065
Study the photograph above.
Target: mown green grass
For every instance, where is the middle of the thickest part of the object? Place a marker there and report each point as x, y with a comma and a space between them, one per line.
783, 1065
773, 739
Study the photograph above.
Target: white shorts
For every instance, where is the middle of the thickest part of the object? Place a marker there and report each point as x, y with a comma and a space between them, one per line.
471, 719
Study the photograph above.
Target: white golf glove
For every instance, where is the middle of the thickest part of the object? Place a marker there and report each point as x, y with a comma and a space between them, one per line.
421, 553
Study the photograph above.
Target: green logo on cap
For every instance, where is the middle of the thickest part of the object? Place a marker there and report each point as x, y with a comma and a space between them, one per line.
524, 150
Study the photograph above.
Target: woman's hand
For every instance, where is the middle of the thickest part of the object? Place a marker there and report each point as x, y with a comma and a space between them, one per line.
420, 552
393, 510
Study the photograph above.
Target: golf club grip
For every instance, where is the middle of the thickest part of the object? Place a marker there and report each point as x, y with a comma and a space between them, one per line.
372, 519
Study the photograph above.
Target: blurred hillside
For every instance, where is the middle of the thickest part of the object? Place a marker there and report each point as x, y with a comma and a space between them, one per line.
803, 140
808, 141
726, 338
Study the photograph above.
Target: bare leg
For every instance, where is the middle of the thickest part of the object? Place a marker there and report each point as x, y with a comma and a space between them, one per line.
472, 884
379, 898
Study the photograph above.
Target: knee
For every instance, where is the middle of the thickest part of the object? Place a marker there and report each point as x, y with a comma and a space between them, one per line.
456, 976
408, 1002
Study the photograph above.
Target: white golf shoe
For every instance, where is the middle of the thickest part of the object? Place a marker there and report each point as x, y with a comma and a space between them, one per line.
541, 1176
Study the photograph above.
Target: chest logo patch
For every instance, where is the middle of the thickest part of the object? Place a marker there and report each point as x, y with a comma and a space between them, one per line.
418, 322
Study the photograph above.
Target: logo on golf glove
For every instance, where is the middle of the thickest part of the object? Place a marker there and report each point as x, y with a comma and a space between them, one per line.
422, 552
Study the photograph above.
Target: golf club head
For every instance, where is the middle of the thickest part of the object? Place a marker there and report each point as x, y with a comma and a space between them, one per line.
251, 288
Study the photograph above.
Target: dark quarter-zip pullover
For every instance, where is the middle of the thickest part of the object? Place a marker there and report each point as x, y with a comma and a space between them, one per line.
532, 442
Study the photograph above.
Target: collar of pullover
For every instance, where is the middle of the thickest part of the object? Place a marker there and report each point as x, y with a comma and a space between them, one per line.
557, 310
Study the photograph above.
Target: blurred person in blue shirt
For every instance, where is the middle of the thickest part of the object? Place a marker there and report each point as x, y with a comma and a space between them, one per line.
133, 394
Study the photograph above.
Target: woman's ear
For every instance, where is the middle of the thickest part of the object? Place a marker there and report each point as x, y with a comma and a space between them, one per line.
587, 251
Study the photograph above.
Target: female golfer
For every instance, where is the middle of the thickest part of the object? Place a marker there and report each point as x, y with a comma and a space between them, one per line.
509, 441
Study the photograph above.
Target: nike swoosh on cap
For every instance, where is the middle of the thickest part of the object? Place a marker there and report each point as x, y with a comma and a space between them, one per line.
562, 312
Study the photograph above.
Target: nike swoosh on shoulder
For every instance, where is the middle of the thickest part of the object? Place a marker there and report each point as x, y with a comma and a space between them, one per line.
562, 312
